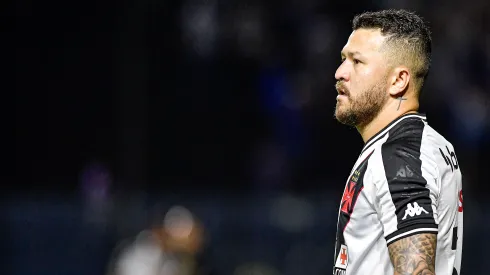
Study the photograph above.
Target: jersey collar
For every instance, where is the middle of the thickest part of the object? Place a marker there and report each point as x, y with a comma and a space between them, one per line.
385, 130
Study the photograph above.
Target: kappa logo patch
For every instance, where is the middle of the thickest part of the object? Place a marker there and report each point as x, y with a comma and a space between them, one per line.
414, 210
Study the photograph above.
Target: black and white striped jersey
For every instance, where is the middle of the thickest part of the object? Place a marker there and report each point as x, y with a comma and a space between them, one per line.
406, 181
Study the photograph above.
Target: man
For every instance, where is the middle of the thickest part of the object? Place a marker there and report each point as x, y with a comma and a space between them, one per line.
402, 211
166, 249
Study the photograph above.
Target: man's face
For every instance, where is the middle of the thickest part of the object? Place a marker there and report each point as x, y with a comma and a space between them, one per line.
361, 79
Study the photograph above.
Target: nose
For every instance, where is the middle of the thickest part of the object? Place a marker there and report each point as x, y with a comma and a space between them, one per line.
342, 73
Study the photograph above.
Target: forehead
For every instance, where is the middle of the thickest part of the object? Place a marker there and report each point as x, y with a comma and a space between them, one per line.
364, 41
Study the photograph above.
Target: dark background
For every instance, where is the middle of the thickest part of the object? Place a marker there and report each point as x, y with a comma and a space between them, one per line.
222, 106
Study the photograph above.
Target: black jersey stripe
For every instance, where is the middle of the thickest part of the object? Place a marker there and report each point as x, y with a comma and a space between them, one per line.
403, 171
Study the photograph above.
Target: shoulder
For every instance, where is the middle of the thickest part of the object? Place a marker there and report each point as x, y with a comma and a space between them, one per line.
406, 135
408, 152
401, 153
135, 253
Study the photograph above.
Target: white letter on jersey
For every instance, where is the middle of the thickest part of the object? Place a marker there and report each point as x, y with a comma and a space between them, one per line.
414, 211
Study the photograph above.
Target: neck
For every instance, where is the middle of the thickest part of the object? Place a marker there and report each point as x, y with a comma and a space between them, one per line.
389, 113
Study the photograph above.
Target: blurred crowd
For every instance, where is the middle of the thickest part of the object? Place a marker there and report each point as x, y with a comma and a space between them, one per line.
211, 123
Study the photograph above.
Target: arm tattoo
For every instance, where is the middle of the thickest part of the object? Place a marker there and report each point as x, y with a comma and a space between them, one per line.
414, 255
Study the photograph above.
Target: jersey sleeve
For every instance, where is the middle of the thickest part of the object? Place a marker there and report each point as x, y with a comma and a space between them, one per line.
406, 192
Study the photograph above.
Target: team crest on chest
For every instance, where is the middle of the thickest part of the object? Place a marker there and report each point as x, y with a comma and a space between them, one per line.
351, 192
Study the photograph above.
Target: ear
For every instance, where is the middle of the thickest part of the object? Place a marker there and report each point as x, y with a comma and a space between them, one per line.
399, 81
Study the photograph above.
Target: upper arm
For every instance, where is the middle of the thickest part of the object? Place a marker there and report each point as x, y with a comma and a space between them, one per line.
406, 193
414, 254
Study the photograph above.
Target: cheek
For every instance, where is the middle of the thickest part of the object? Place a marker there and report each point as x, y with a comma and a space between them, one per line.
362, 81
365, 72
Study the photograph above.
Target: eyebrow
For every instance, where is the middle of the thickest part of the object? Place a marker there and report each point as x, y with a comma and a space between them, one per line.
343, 54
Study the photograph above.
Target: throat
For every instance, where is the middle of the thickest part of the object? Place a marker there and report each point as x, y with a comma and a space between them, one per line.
379, 123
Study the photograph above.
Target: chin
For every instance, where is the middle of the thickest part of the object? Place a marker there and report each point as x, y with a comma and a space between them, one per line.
345, 117
339, 115
340, 110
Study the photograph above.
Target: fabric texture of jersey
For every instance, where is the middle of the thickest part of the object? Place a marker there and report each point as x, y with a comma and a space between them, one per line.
406, 181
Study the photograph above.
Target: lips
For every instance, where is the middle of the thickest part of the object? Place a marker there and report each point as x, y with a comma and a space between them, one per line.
341, 89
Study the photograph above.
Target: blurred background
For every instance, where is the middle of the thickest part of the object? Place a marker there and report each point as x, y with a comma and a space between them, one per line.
197, 136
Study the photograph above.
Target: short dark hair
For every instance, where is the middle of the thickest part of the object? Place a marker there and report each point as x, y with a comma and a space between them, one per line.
407, 32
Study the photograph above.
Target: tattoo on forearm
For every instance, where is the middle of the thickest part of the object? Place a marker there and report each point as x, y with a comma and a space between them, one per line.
414, 255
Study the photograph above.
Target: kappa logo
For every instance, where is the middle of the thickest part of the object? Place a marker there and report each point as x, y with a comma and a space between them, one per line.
342, 258
404, 172
414, 210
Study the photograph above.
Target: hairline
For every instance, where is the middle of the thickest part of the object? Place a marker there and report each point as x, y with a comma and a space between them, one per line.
393, 58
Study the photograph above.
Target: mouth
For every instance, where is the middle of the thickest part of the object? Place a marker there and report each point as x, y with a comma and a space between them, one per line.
341, 89
342, 92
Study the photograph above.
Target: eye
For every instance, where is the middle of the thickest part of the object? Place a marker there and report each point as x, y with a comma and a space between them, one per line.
356, 61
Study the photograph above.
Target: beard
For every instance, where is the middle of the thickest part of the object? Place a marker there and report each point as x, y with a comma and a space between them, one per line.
360, 110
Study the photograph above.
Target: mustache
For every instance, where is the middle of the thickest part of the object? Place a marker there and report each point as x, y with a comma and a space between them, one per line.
340, 87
